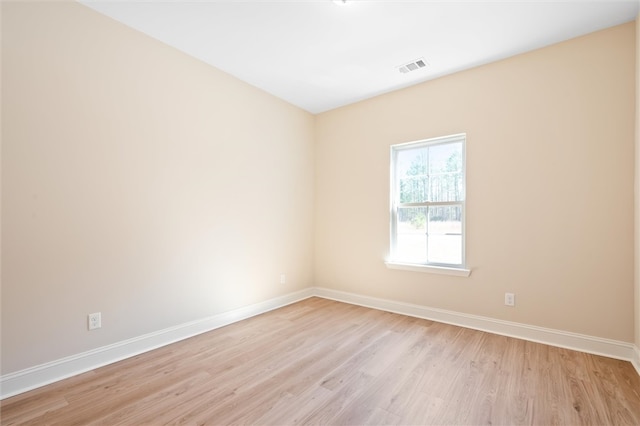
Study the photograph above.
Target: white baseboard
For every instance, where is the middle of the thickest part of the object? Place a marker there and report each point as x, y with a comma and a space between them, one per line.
44, 374
636, 358
564, 339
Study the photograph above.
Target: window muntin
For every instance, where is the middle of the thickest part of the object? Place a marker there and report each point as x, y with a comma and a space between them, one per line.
428, 202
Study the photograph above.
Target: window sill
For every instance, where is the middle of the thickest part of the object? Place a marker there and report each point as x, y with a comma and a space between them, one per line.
443, 270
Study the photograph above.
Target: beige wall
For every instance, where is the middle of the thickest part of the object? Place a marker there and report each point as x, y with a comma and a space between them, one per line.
637, 190
550, 143
138, 182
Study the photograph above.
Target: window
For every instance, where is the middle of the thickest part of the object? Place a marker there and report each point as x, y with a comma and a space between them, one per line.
428, 203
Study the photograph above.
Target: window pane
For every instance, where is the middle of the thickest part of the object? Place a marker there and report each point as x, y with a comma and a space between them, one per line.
444, 228
445, 158
445, 172
411, 237
412, 174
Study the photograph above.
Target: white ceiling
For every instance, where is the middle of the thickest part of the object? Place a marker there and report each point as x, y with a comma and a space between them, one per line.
320, 55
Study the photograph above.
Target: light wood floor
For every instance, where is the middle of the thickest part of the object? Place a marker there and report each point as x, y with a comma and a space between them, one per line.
324, 362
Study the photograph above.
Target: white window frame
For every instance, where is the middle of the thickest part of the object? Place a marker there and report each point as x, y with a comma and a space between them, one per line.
439, 268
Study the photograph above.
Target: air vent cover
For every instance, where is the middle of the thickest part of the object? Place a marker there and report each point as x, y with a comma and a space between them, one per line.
412, 66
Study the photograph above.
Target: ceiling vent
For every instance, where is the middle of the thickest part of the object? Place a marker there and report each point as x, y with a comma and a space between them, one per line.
412, 66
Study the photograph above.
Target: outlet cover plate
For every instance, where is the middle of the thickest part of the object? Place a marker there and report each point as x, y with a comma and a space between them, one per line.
509, 299
95, 321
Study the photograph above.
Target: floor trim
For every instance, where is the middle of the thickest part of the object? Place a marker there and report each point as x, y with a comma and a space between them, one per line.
564, 339
44, 374
636, 358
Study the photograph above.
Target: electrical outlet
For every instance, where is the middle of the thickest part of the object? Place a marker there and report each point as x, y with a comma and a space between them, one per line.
95, 321
510, 299
283, 278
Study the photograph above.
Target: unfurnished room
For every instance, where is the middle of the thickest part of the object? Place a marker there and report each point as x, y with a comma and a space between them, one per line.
337, 212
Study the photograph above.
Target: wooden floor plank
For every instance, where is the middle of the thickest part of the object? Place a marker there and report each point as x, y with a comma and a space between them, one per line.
325, 362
